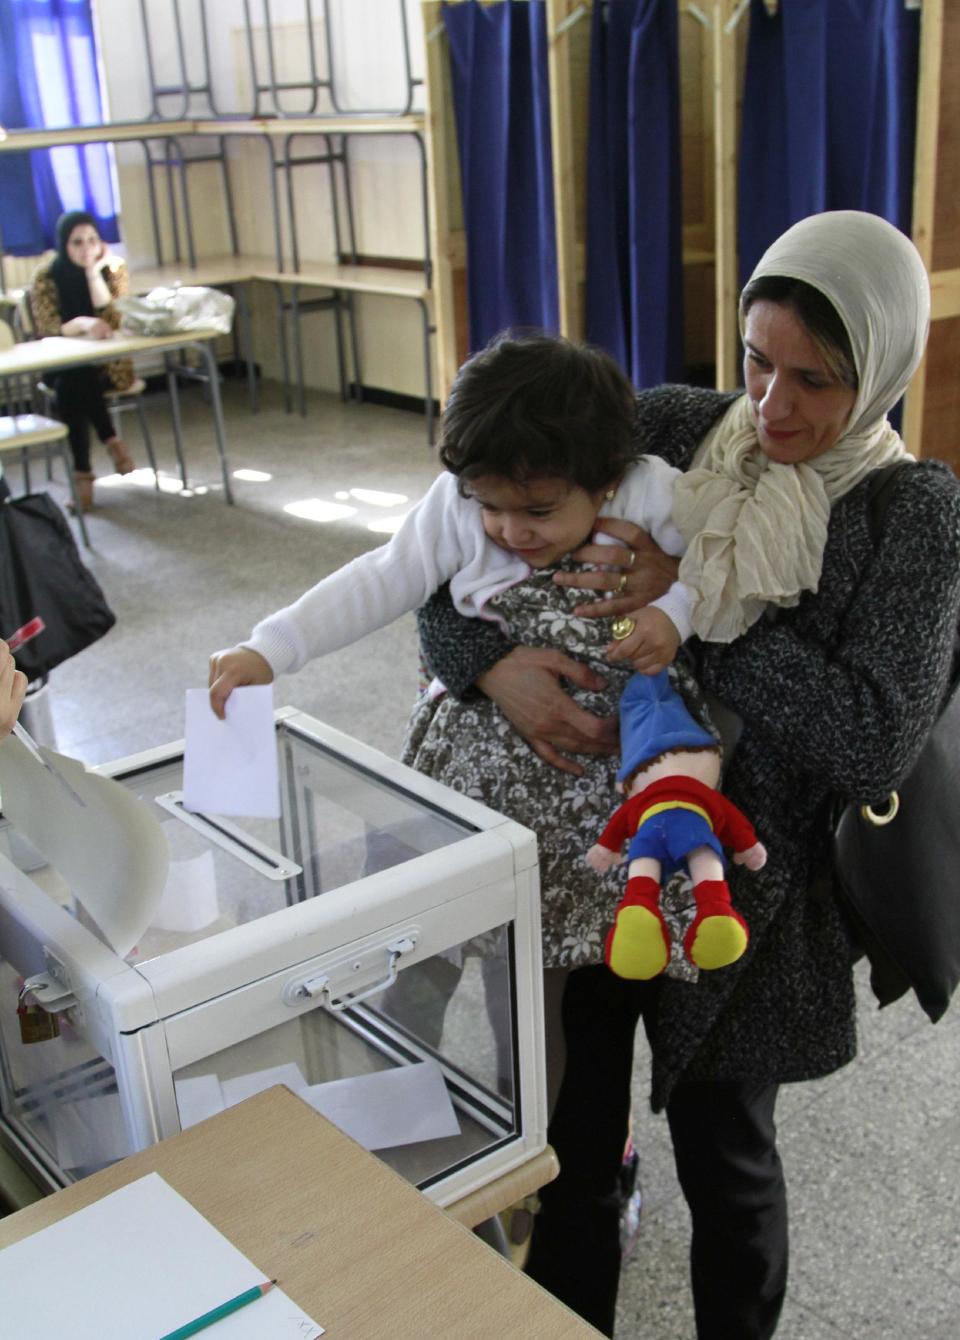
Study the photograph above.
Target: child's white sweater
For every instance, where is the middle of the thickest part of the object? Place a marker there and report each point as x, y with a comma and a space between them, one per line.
443, 540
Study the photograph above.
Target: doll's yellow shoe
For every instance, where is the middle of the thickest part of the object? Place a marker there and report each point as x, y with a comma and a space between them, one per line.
718, 935
638, 944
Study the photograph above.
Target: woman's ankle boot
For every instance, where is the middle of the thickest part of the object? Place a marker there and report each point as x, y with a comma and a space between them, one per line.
83, 484
122, 460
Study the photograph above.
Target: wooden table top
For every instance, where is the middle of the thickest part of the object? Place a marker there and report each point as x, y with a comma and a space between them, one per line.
357, 1247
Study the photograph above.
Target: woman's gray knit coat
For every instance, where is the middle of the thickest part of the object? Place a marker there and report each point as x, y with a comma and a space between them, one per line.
836, 696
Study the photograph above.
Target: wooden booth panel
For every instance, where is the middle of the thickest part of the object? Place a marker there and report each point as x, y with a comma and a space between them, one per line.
946, 227
941, 407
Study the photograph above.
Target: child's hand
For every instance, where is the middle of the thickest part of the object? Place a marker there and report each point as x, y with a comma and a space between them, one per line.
601, 858
754, 858
651, 645
233, 669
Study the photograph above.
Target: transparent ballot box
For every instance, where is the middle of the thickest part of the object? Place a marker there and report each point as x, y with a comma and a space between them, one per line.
376, 949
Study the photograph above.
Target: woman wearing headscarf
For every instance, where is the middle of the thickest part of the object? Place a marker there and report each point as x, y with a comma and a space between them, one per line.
833, 648
73, 294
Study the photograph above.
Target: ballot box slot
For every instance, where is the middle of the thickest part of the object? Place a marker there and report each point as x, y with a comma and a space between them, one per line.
231, 838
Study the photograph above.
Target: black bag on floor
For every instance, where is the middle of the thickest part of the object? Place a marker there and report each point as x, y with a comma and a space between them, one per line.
51, 606
898, 873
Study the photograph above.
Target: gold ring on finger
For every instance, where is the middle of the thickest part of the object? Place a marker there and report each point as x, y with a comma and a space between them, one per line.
633, 559
622, 628
621, 584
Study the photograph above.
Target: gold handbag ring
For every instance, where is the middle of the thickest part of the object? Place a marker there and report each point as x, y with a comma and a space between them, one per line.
878, 818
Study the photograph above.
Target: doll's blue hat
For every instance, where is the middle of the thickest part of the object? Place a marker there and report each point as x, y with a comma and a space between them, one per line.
653, 720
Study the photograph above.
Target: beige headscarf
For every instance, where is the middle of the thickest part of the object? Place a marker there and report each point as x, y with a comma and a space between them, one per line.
756, 530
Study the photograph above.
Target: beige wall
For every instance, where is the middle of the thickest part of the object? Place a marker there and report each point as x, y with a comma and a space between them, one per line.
385, 171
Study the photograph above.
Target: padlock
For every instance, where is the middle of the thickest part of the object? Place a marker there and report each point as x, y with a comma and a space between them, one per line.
36, 1024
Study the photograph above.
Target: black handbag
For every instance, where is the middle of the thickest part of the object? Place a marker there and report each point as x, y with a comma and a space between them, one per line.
898, 871
51, 605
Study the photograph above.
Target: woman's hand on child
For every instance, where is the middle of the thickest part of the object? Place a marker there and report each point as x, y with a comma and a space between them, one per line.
652, 644
636, 570
526, 686
234, 669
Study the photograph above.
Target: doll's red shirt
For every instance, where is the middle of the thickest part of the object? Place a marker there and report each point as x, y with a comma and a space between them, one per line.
731, 825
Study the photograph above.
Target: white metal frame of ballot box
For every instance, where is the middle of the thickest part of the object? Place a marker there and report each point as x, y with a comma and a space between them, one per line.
150, 1019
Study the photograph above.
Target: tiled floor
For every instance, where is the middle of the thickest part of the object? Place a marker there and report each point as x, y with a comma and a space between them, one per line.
872, 1154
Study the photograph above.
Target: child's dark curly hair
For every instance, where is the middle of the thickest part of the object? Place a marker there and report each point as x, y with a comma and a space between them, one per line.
537, 406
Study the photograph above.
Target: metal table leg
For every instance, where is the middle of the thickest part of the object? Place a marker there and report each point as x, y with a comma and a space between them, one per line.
428, 330
205, 349
282, 341
174, 391
243, 309
298, 346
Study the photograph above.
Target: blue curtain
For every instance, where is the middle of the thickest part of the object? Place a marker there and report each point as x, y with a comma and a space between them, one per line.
634, 222
829, 112
48, 77
498, 62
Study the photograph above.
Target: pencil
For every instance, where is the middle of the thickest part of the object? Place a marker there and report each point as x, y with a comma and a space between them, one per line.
224, 1310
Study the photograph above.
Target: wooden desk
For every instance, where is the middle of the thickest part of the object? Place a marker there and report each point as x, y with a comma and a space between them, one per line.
56, 352
362, 1251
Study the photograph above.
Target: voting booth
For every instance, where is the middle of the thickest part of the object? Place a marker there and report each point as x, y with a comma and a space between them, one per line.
376, 948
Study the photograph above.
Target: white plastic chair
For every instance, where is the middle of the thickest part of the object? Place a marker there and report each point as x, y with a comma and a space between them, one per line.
28, 436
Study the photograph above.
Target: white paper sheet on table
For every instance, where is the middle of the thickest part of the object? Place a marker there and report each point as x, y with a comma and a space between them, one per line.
230, 766
134, 1265
390, 1107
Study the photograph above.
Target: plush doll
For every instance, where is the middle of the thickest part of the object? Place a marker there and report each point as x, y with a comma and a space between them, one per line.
674, 817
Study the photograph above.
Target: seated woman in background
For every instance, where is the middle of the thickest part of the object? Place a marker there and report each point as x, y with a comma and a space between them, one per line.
73, 295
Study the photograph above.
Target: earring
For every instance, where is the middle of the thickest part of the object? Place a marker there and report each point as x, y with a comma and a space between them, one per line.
609, 495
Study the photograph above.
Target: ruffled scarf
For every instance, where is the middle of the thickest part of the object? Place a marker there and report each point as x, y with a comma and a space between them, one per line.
756, 530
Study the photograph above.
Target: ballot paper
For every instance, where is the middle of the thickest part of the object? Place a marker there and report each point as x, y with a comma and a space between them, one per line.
399, 1106
202, 1096
230, 766
115, 1281
388, 1108
189, 903
255, 1081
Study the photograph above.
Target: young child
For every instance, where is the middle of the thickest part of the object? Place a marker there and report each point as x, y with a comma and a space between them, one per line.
537, 442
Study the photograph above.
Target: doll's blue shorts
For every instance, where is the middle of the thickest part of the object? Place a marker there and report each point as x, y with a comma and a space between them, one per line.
669, 836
